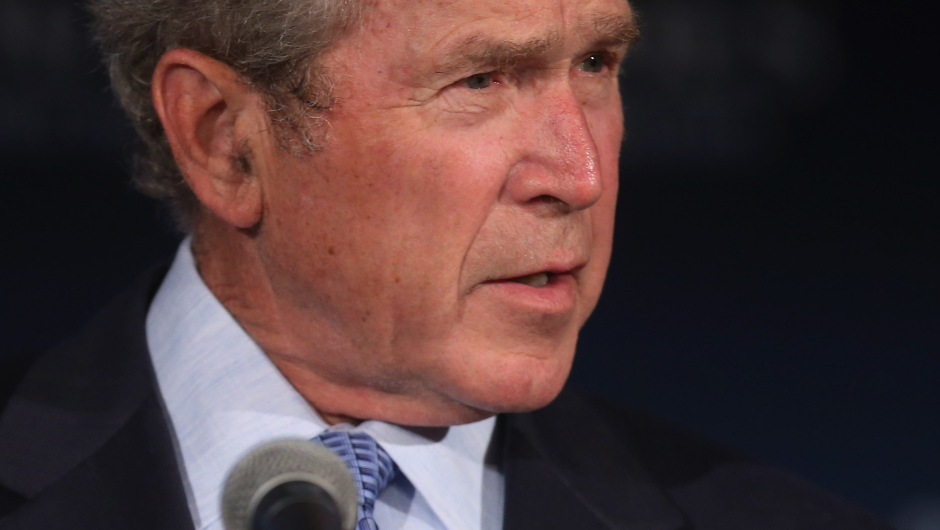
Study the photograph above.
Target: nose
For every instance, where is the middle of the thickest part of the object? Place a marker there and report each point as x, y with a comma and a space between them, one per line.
561, 166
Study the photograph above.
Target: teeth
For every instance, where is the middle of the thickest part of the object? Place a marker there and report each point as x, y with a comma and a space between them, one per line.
539, 279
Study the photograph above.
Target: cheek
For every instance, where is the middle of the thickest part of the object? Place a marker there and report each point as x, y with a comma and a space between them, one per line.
385, 242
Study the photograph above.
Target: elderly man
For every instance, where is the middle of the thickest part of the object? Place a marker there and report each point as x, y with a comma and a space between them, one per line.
401, 215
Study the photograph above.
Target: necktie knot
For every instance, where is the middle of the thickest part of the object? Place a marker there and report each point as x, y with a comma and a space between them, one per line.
371, 467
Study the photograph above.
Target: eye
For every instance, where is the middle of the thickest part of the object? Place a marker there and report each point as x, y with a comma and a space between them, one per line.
594, 63
479, 81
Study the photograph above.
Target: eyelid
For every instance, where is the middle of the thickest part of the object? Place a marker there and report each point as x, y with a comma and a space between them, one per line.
611, 58
498, 78
608, 56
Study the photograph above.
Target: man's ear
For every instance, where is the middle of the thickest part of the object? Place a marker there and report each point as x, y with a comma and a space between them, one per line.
207, 115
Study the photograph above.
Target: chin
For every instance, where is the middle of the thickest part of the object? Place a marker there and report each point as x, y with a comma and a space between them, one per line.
520, 382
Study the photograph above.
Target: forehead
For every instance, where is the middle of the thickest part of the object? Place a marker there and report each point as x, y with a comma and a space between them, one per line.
429, 27
512, 12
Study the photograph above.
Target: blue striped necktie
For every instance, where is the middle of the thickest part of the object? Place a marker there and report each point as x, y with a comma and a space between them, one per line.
372, 469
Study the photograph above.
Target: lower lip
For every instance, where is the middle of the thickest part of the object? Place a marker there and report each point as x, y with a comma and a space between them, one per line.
554, 298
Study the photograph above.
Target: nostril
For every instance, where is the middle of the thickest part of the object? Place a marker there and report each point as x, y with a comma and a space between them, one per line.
550, 203
546, 199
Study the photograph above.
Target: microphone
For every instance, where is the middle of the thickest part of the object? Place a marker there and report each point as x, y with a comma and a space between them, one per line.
290, 485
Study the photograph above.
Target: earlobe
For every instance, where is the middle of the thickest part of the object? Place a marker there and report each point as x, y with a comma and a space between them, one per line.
205, 110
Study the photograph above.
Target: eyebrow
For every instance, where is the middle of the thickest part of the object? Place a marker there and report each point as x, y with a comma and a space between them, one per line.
616, 29
480, 52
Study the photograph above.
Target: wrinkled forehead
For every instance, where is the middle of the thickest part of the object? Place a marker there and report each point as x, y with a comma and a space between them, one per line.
547, 12
441, 27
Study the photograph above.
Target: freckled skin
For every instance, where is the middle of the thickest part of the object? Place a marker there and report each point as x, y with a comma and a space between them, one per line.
369, 280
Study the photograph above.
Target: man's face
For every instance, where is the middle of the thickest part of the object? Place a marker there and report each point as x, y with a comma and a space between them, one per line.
452, 236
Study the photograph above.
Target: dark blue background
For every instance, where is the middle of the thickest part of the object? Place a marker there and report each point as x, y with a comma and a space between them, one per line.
774, 281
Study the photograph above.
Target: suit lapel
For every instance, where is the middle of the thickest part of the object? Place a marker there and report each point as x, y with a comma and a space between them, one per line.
132, 481
565, 469
84, 439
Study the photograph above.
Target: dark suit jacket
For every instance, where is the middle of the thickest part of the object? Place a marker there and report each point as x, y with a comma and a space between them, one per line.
85, 444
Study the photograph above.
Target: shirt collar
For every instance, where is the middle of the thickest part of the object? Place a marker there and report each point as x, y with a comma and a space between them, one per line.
447, 465
205, 361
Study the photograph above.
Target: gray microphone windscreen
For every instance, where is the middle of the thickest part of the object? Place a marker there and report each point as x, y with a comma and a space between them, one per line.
280, 462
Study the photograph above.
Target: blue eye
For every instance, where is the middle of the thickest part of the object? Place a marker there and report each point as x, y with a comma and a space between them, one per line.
479, 81
593, 63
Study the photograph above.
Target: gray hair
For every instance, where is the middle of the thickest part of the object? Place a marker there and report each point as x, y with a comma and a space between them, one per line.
273, 45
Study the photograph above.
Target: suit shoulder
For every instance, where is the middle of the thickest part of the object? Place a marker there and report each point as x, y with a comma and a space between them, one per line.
12, 370
715, 486
56, 372
62, 404
672, 455
9, 501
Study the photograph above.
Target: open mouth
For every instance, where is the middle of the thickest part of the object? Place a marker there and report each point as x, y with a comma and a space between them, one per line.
551, 291
538, 279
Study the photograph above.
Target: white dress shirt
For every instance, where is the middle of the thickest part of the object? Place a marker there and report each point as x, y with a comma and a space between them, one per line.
224, 396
